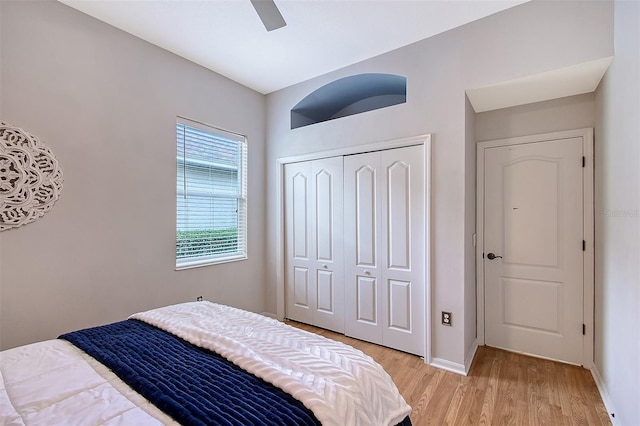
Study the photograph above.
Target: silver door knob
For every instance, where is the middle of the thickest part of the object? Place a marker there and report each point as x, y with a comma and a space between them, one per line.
367, 273
324, 266
492, 256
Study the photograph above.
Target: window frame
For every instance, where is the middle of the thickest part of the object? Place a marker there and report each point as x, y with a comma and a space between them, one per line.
242, 212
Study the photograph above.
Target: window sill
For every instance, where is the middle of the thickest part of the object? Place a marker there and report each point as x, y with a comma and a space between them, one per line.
209, 262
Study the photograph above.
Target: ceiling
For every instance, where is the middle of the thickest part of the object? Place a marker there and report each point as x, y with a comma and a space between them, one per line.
227, 36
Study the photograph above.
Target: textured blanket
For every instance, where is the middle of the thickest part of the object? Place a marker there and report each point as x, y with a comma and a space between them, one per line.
339, 384
192, 385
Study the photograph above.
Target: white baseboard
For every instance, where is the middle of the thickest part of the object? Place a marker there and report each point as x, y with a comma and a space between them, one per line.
269, 315
454, 367
605, 395
470, 355
444, 364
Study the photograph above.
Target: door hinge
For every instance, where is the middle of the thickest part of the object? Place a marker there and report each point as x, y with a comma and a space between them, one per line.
584, 329
584, 245
584, 161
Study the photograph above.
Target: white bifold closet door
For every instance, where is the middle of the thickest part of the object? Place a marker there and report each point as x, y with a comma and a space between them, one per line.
384, 248
314, 243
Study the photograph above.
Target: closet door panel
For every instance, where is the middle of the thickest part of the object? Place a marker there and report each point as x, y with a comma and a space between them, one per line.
367, 309
324, 215
314, 260
300, 213
400, 305
403, 227
301, 287
325, 290
328, 259
299, 281
365, 216
361, 212
399, 216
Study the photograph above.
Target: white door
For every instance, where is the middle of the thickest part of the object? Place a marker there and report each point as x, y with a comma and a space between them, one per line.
533, 248
384, 248
314, 269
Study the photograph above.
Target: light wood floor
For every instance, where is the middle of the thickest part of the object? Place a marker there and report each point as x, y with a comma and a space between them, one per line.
502, 388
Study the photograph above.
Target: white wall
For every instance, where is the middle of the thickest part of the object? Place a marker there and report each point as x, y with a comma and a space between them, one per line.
106, 102
617, 215
528, 39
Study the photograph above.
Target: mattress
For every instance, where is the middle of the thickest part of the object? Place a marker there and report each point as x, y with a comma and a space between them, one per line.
54, 382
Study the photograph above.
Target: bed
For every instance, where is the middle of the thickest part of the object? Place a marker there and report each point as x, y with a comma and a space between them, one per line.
195, 363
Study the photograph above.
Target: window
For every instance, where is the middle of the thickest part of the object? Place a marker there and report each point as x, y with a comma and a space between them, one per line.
211, 207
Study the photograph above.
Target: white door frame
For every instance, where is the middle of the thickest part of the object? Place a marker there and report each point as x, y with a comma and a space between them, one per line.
358, 149
588, 231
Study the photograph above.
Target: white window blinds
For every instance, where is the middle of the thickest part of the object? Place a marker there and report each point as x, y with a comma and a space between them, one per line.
211, 201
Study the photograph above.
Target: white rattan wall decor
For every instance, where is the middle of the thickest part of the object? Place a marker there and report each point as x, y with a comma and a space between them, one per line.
30, 177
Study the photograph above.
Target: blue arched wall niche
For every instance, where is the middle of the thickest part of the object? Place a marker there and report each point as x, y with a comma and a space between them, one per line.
348, 96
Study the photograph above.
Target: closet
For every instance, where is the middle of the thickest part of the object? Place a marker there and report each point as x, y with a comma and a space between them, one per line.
355, 245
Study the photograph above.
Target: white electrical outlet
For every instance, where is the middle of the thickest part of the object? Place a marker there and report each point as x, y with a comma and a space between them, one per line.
446, 318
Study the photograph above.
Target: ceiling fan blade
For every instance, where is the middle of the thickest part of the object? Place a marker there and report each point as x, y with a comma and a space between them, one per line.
269, 14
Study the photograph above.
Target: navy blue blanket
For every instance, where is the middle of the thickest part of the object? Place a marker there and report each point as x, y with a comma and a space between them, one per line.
190, 384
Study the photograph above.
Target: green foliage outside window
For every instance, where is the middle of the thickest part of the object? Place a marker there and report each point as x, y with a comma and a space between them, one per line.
206, 242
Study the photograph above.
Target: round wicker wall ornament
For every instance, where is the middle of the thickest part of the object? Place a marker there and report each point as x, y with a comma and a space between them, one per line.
30, 177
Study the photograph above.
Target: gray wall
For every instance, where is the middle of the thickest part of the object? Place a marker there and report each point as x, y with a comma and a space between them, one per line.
617, 217
528, 39
106, 102
572, 112
470, 305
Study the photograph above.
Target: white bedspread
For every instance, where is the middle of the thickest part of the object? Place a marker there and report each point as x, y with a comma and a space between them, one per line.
339, 384
54, 383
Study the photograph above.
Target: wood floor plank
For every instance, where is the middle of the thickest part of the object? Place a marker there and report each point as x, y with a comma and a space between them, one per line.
440, 399
502, 388
455, 408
